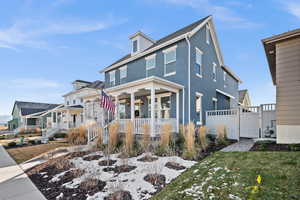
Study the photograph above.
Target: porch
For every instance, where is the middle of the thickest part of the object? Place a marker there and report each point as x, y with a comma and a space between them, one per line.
134, 103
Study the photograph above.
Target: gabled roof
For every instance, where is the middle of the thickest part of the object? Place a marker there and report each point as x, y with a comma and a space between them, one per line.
169, 37
242, 95
28, 108
93, 85
270, 48
82, 81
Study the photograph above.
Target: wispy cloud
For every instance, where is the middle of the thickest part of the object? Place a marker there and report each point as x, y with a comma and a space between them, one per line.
220, 12
293, 7
32, 33
32, 83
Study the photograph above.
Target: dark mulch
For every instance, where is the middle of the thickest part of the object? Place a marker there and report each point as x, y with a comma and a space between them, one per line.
120, 169
108, 169
157, 180
272, 146
107, 162
92, 186
93, 157
148, 159
119, 195
77, 154
174, 165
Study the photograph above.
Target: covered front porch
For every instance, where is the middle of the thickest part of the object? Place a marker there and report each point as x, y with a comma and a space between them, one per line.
134, 103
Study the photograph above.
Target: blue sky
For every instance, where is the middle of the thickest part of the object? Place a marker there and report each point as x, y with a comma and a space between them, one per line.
45, 45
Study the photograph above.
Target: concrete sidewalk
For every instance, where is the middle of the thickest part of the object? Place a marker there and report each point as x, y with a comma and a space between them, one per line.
242, 146
14, 183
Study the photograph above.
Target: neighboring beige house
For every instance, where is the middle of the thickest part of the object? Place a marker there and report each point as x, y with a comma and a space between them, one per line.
283, 55
244, 98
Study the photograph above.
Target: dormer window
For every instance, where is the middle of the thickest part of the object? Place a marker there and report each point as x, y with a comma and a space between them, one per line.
134, 46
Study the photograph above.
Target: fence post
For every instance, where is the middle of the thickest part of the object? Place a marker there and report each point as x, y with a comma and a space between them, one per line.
88, 133
239, 122
260, 120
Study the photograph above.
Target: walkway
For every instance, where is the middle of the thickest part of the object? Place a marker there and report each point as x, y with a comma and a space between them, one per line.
241, 146
14, 183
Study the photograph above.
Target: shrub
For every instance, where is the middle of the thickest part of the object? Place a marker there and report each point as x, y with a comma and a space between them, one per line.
189, 133
77, 136
60, 135
99, 141
166, 130
202, 137
129, 137
221, 135
31, 142
294, 147
146, 137
12, 144
113, 136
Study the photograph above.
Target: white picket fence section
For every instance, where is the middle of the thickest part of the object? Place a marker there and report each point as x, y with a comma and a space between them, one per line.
248, 122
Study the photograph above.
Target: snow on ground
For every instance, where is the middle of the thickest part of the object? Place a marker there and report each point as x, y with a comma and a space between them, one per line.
132, 181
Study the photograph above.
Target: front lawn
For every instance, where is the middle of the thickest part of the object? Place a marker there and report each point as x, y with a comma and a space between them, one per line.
233, 176
22, 154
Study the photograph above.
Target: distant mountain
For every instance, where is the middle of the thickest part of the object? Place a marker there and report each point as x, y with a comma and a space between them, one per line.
4, 119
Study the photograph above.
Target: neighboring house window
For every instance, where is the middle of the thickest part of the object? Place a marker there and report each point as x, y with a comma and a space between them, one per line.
199, 108
207, 34
81, 100
150, 63
74, 102
123, 72
54, 117
169, 60
134, 46
199, 67
214, 75
112, 78
68, 102
225, 78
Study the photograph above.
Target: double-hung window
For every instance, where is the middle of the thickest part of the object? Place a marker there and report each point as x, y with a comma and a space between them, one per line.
199, 108
150, 64
214, 74
207, 34
134, 46
225, 79
199, 67
170, 61
112, 78
123, 73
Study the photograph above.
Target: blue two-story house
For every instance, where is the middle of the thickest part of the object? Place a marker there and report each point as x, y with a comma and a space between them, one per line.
172, 80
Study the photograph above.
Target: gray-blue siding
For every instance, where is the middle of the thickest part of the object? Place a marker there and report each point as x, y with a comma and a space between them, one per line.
137, 70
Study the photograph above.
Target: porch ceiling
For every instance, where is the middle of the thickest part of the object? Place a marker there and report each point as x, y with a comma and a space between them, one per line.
142, 87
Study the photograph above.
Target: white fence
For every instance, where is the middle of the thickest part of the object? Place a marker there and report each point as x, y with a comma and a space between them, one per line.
249, 122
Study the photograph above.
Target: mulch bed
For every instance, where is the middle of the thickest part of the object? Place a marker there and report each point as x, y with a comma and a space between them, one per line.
92, 186
148, 159
174, 165
120, 169
93, 157
272, 146
107, 162
119, 195
77, 154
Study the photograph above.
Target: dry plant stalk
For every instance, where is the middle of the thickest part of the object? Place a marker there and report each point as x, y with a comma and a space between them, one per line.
202, 137
146, 137
63, 164
190, 139
221, 132
99, 141
77, 136
128, 137
113, 135
166, 130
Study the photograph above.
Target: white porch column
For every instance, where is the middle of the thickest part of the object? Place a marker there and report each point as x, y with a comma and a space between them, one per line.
177, 111
117, 106
152, 110
132, 101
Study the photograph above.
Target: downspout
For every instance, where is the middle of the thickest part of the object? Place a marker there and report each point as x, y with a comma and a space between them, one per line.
189, 77
183, 105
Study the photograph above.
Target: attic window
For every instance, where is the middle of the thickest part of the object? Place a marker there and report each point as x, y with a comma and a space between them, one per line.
134, 46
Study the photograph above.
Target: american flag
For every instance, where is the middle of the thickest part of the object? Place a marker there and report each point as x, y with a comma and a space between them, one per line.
107, 103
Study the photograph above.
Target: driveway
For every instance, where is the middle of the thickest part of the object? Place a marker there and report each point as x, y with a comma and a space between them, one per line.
14, 183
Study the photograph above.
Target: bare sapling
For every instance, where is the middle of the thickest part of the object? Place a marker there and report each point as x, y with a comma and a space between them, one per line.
129, 137
202, 137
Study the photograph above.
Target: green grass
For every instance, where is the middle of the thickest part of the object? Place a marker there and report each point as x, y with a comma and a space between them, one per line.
232, 176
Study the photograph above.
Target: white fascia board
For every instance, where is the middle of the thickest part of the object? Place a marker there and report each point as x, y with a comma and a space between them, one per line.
169, 49
151, 56
226, 94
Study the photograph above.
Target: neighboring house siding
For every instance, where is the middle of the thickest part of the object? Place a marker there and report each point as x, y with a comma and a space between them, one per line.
288, 82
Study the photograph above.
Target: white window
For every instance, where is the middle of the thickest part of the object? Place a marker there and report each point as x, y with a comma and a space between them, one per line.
225, 78
199, 108
214, 75
150, 62
215, 103
123, 72
134, 46
74, 101
170, 58
207, 34
112, 78
199, 67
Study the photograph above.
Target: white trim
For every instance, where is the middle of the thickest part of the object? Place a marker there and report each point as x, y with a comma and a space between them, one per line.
201, 64
189, 78
214, 99
214, 72
170, 49
143, 35
170, 74
225, 78
137, 46
207, 33
151, 56
114, 77
123, 68
199, 75
226, 94
199, 95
